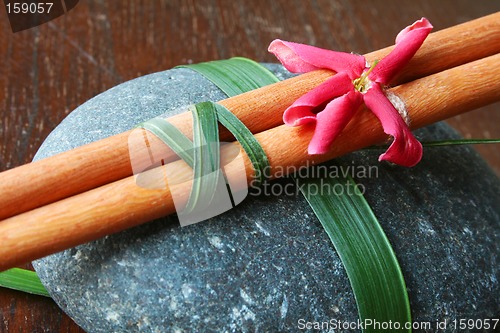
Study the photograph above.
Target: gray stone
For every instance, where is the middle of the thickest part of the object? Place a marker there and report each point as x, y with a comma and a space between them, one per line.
267, 264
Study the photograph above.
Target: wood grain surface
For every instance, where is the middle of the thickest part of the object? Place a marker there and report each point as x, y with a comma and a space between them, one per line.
49, 70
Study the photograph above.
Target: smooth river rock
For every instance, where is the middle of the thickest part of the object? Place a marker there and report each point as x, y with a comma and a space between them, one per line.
267, 265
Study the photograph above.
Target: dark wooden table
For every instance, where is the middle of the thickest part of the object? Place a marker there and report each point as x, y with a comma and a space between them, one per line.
47, 71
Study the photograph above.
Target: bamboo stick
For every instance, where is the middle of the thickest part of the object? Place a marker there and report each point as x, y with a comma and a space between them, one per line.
107, 160
122, 204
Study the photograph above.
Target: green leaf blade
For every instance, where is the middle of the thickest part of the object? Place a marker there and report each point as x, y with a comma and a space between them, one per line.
236, 75
455, 142
365, 251
172, 137
250, 145
445, 143
206, 156
23, 280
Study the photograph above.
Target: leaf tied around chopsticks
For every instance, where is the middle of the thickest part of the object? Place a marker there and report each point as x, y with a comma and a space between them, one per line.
203, 153
233, 76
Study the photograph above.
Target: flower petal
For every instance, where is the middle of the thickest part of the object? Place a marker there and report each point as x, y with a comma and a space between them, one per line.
408, 41
405, 150
301, 58
332, 120
302, 110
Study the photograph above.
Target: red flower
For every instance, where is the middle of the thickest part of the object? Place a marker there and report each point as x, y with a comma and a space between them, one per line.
356, 82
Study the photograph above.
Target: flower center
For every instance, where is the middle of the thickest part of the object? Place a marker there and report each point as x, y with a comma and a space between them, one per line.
363, 83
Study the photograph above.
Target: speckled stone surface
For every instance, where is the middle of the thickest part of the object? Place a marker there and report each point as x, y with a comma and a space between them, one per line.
268, 266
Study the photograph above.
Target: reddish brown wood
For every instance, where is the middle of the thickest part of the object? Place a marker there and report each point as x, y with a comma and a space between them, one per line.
47, 71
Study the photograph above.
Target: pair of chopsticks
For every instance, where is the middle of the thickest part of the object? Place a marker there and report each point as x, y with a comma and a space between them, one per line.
89, 192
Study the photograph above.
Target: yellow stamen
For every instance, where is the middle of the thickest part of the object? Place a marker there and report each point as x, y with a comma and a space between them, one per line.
361, 84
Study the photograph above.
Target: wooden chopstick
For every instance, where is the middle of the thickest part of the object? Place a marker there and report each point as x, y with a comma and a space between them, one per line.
105, 161
123, 204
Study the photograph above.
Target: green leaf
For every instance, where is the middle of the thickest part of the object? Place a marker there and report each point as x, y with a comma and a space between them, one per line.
252, 147
236, 75
459, 142
364, 249
205, 160
172, 137
22, 280
443, 143
206, 156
